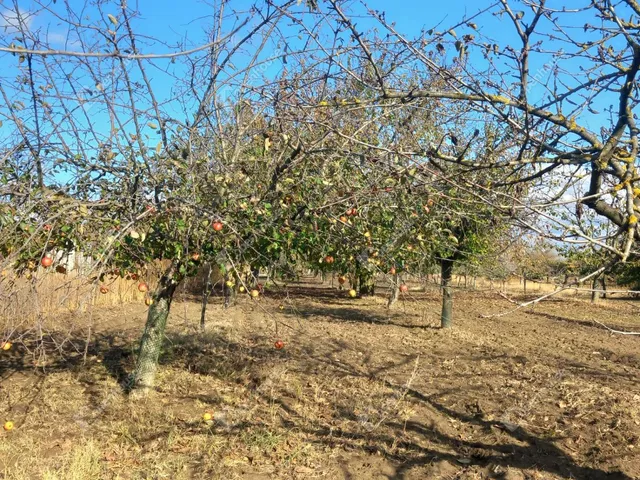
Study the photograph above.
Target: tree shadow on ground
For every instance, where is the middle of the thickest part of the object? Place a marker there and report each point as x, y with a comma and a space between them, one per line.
584, 323
522, 449
354, 314
216, 354
538, 453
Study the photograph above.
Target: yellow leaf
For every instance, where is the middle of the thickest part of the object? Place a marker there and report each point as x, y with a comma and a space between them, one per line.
134, 234
159, 148
113, 19
152, 125
267, 144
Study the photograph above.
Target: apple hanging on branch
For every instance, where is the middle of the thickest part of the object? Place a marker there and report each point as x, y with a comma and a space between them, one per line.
46, 261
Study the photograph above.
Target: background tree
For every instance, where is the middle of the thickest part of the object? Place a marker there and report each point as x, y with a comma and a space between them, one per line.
549, 112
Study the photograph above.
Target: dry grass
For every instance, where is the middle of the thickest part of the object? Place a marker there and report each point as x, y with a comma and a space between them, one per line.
358, 392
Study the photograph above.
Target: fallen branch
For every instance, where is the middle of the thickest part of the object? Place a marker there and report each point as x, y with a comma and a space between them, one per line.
567, 287
548, 295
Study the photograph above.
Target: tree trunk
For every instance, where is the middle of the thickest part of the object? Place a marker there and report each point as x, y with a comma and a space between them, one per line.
366, 283
228, 292
255, 273
594, 290
446, 266
395, 290
153, 336
524, 280
603, 282
205, 295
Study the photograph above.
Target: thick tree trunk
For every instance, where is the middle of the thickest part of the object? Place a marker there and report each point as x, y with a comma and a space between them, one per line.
205, 295
153, 336
594, 291
395, 290
446, 266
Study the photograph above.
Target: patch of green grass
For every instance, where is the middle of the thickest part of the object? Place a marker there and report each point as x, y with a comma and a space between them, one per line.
262, 439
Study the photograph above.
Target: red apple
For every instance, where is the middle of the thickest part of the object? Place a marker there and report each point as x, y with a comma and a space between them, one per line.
404, 288
279, 345
217, 226
143, 287
392, 271
104, 290
342, 279
46, 261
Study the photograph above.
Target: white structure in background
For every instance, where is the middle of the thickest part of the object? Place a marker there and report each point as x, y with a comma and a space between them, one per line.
73, 261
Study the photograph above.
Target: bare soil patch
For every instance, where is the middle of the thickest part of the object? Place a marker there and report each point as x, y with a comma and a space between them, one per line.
358, 392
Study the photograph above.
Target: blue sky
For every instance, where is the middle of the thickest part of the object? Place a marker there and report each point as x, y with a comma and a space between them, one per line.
185, 22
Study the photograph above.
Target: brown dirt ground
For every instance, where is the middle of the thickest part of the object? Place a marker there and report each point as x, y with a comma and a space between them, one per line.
358, 392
